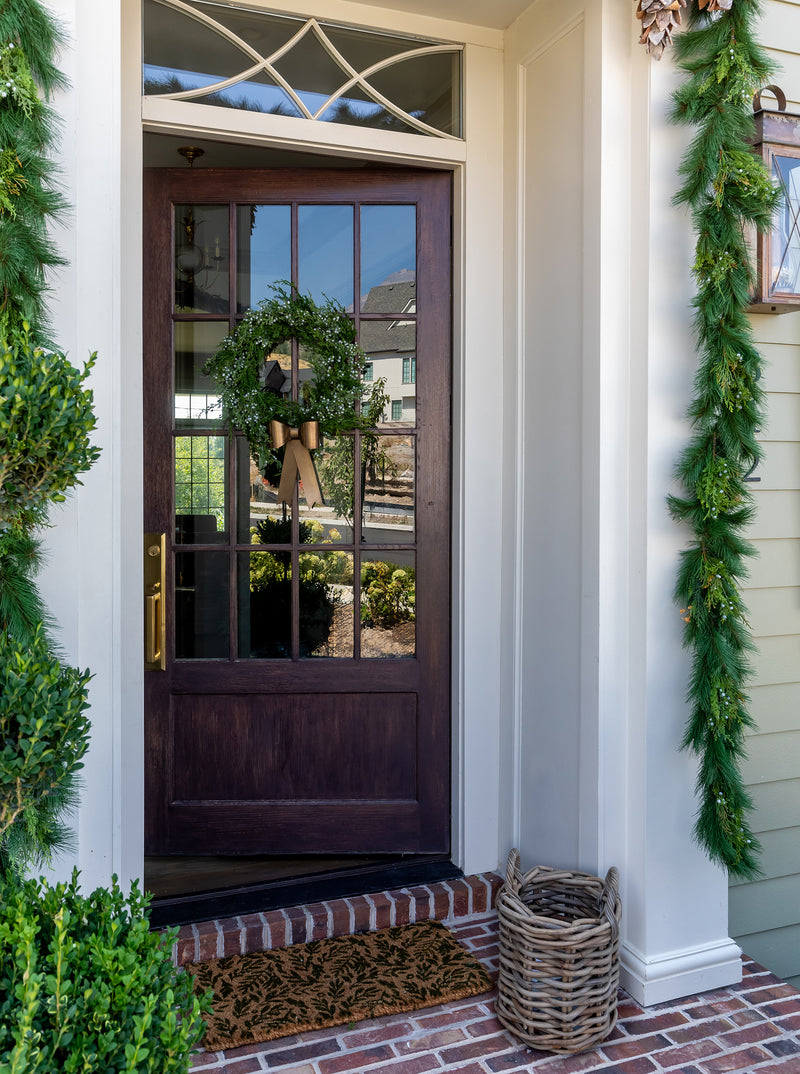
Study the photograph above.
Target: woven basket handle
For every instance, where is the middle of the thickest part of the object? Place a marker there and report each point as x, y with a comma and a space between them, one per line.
513, 872
608, 899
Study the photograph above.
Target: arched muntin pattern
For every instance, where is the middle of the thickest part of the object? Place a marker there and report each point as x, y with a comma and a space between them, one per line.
266, 65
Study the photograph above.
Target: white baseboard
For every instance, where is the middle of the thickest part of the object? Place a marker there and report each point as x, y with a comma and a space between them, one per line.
679, 973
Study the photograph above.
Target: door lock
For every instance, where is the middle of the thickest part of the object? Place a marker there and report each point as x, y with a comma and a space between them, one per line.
155, 565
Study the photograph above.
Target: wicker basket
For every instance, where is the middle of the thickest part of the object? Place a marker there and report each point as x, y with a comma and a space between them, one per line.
559, 956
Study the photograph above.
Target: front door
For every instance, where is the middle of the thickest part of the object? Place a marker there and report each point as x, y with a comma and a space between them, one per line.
304, 700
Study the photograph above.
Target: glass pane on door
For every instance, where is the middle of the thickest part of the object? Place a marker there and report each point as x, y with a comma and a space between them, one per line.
325, 250
201, 259
388, 604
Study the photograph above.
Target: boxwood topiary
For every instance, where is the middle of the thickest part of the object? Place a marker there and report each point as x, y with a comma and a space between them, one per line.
86, 987
46, 417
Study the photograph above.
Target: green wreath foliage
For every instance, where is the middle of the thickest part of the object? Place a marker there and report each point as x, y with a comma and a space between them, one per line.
331, 397
727, 189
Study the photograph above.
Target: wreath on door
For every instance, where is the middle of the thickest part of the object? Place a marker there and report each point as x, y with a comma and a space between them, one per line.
241, 368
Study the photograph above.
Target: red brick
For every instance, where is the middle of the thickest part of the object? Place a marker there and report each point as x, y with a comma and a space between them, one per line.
571, 1064
750, 1035
783, 1046
301, 1052
495, 883
735, 1061
697, 1030
319, 920
185, 951
792, 1022
476, 1048
785, 1066
483, 1028
341, 917
355, 1060
785, 1006
253, 932
276, 928
421, 898
441, 901
231, 936
642, 1065
518, 1060
468, 932
627, 1049
765, 995
628, 1009
480, 895
244, 1066
298, 924
657, 1024
430, 1043
416, 1065
383, 910
711, 1010
481, 943
361, 909
402, 907
688, 1053
460, 892
392, 1031
473, 1068
448, 1016
202, 1059
206, 946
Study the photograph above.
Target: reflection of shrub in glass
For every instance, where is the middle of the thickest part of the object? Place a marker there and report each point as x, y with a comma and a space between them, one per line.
271, 592
388, 594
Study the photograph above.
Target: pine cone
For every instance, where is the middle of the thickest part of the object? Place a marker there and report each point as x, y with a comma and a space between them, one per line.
659, 17
716, 5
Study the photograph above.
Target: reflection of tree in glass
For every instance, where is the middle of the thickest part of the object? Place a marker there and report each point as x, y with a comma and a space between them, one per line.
200, 477
336, 465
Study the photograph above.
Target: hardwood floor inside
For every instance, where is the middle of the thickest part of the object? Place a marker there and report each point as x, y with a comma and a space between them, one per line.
176, 876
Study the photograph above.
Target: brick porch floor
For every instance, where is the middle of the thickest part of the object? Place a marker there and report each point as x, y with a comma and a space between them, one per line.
754, 1026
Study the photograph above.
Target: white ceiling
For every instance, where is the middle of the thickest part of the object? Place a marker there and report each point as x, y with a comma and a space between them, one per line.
496, 14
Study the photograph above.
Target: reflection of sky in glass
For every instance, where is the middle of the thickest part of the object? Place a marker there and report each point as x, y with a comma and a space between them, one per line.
270, 250
388, 243
325, 244
786, 240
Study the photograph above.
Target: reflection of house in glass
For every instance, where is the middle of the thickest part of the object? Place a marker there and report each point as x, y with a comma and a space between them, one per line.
391, 345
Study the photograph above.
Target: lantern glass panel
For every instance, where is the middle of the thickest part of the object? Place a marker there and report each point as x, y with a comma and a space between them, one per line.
785, 245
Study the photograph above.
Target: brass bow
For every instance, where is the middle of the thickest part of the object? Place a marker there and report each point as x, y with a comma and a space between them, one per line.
296, 459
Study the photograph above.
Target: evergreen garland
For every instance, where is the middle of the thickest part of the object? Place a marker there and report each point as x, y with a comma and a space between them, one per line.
727, 189
45, 419
29, 40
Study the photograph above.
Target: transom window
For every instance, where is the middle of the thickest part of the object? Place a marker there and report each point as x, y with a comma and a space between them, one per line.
238, 57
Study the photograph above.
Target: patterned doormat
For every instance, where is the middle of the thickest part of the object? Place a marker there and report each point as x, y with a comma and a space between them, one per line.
333, 982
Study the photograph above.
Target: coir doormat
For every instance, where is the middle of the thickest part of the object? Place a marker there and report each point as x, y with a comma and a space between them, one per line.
270, 994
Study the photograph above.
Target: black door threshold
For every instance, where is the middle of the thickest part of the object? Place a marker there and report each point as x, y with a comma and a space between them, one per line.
255, 898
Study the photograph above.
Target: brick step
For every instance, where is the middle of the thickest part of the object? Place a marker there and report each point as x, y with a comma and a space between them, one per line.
446, 900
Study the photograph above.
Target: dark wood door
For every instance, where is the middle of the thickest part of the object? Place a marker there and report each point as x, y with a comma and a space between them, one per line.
305, 701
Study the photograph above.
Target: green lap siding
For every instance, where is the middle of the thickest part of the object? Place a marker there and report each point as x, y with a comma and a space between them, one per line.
765, 915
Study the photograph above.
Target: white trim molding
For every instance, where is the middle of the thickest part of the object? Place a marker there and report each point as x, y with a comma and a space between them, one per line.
679, 973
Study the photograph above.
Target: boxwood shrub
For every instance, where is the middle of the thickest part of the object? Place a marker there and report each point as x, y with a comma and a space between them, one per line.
86, 987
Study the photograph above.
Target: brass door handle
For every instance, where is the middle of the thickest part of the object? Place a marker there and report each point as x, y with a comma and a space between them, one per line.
152, 629
155, 564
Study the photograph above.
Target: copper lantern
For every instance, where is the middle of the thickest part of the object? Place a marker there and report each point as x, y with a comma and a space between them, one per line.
778, 273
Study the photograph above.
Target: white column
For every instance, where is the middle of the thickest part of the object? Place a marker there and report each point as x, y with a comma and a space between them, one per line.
91, 581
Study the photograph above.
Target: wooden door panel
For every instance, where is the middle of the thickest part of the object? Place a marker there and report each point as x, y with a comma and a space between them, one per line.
294, 755
295, 746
